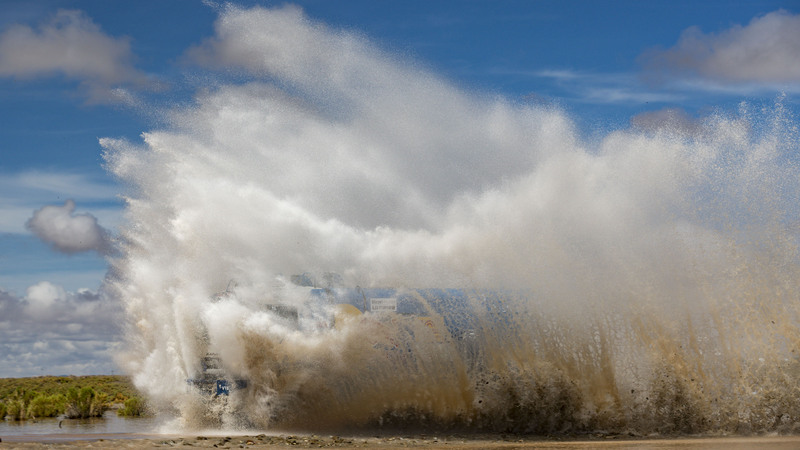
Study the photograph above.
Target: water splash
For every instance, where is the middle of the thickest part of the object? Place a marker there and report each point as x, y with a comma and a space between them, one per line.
645, 283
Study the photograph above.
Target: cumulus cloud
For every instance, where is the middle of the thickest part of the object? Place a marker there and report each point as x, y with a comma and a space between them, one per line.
68, 232
70, 44
23, 192
767, 50
50, 329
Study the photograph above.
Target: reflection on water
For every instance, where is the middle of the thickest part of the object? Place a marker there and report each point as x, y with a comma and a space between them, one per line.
110, 423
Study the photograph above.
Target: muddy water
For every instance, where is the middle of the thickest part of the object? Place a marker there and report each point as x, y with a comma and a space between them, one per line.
642, 281
110, 424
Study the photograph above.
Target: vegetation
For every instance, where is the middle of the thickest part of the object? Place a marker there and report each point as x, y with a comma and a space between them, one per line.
73, 397
134, 406
85, 403
44, 405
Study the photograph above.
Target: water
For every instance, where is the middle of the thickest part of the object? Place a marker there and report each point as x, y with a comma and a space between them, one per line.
643, 282
109, 424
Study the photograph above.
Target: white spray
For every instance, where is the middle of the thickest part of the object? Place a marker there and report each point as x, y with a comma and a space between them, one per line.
649, 279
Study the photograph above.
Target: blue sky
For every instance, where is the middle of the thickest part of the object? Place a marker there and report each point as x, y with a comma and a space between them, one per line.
604, 63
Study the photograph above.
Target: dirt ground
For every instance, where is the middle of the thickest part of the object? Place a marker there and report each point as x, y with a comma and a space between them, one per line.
389, 442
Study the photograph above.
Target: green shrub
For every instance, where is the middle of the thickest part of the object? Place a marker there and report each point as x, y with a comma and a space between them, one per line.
15, 410
117, 387
20, 396
134, 406
2, 410
46, 406
85, 403
17, 404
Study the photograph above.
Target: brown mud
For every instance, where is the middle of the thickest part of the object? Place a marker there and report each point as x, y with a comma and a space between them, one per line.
82, 441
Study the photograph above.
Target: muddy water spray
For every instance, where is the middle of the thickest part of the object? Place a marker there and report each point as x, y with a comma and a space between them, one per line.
646, 282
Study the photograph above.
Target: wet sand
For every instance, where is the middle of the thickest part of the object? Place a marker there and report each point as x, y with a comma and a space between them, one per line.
112, 440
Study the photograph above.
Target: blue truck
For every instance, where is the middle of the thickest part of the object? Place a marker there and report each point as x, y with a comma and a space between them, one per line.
444, 315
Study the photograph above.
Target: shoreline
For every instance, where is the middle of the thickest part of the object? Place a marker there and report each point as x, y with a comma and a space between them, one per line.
137, 440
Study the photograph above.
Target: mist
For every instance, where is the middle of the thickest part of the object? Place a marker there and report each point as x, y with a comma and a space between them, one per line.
646, 280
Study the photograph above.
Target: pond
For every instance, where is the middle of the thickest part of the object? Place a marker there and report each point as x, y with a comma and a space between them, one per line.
109, 424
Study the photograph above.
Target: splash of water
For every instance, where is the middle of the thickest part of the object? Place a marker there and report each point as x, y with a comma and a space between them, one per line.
646, 282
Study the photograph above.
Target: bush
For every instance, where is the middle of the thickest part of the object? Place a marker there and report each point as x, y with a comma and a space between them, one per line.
46, 406
17, 404
117, 387
134, 406
20, 396
2, 410
85, 403
15, 410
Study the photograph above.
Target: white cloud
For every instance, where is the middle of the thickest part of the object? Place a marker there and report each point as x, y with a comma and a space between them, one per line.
23, 192
52, 331
762, 57
68, 232
604, 88
624, 94
69, 277
73, 185
70, 44
559, 74
767, 50
41, 297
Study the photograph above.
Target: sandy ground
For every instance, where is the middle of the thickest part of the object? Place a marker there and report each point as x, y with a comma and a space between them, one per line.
386, 442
